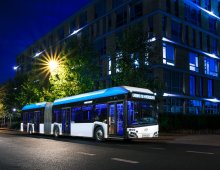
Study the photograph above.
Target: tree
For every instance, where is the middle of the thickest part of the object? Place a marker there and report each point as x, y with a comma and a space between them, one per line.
2, 109
78, 72
30, 91
133, 58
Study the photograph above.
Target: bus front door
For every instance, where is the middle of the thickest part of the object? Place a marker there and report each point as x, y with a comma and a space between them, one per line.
66, 121
116, 119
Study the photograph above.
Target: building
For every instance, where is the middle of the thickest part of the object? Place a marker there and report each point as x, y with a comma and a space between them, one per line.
186, 32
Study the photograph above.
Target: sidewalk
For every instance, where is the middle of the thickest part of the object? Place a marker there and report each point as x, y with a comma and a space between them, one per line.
209, 140
204, 139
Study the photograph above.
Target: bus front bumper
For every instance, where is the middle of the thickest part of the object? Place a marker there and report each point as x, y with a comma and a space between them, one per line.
143, 132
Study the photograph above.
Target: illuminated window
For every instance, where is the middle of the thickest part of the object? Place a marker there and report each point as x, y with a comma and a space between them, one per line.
192, 86
193, 62
117, 65
195, 107
135, 60
211, 108
210, 87
109, 66
168, 54
211, 66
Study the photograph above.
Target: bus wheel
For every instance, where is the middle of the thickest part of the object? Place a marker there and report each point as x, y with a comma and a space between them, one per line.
56, 132
99, 134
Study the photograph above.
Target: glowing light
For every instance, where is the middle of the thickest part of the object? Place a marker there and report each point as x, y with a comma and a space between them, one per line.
202, 9
152, 39
211, 55
213, 100
38, 54
15, 67
170, 95
53, 65
167, 40
75, 32
14, 109
50, 63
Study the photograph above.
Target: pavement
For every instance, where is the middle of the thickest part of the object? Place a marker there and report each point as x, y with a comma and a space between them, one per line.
188, 139
172, 138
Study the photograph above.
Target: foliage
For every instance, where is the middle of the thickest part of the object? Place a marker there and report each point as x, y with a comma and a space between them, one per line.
2, 97
31, 91
133, 58
78, 72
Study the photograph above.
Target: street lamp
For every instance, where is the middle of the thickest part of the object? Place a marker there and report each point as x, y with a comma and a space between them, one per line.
53, 66
50, 63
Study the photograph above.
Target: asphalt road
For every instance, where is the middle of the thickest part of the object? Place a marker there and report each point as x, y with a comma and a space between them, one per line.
20, 151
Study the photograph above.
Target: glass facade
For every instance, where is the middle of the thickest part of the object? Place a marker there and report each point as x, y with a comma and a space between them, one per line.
168, 54
211, 108
195, 107
176, 31
173, 81
192, 86
173, 105
211, 66
193, 62
192, 15
210, 88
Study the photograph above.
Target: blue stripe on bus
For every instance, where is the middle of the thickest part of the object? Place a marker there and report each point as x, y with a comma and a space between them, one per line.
92, 95
34, 106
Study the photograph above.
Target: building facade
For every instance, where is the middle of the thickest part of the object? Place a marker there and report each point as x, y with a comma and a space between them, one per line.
186, 34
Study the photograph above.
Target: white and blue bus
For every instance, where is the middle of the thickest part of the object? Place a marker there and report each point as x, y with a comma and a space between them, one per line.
118, 112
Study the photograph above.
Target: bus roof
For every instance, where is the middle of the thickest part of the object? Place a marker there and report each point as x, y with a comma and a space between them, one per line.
101, 94
34, 106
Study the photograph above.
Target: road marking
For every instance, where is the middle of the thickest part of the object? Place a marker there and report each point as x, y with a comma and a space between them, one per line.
85, 153
156, 148
207, 153
125, 160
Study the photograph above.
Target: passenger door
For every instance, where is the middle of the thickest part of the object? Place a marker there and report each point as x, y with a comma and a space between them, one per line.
66, 120
116, 119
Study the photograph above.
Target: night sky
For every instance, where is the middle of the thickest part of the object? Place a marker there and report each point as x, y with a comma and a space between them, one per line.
22, 22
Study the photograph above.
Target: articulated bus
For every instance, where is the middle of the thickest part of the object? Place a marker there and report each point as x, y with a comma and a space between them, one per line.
118, 112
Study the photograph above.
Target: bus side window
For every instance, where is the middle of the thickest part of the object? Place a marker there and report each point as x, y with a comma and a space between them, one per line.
77, 112
87, 113
56, 116
30, 117
101, 112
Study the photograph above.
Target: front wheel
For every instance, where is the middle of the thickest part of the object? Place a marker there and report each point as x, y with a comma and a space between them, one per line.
56, 132
99, 134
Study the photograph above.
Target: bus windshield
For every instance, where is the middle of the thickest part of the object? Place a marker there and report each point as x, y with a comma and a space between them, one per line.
141, 113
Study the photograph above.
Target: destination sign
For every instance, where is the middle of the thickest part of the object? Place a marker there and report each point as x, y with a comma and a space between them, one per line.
143, 96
